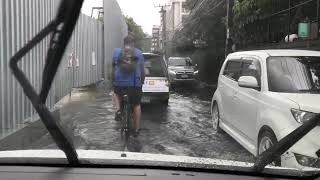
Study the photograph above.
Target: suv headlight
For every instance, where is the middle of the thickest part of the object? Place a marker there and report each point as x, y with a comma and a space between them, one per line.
302, 116
307, 161
172, 72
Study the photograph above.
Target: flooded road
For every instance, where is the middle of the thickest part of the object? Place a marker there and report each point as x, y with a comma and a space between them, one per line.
181, 128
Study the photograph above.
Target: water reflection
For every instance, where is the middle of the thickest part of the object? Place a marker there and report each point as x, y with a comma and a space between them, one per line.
181, 128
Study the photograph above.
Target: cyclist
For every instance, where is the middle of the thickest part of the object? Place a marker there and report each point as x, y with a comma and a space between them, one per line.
128, 77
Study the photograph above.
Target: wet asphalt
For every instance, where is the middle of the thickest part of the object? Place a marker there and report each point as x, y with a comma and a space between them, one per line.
182, 128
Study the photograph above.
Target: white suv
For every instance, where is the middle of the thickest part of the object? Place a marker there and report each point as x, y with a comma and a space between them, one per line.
264, 95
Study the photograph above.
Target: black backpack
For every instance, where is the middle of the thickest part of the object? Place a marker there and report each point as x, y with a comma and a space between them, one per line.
128, 60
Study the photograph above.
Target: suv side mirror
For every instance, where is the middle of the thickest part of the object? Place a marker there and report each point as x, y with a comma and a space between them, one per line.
248, 82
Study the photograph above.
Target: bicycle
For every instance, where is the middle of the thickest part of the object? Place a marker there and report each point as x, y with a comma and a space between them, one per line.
126, 114
126, 110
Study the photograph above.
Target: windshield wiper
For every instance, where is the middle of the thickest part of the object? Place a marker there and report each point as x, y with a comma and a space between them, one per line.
61, 28
285, 143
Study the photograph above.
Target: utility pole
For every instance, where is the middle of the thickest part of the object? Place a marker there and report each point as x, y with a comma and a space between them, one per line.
229, 40
163, 13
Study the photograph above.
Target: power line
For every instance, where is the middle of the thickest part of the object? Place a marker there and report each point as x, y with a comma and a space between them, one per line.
197, 13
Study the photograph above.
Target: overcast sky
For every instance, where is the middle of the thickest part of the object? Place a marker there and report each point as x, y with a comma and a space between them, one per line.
142, 11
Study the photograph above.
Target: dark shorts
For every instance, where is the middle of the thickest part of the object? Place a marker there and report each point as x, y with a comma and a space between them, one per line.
134, 93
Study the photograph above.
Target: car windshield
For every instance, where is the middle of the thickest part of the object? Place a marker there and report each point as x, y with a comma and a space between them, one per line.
179, 62
154, 66
294, 74
187, 82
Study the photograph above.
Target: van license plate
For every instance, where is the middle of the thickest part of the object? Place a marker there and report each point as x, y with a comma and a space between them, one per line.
151, 83
184, 76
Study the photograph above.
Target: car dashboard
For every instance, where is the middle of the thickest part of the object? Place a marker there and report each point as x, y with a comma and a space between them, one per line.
67, 173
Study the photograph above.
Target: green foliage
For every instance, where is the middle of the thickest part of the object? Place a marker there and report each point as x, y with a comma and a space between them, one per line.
267, 21
136, 30
248, 11
206, 25
245, 11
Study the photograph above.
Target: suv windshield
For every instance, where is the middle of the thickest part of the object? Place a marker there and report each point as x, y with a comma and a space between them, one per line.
180, 62
294, 74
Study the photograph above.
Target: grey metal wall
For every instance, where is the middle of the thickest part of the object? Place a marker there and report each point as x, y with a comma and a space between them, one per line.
20, 20
85, 43
115, 29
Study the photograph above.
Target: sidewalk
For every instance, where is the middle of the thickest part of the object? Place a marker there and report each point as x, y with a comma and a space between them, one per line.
34, 134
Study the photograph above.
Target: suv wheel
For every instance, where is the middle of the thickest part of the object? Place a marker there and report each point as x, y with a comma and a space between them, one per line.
215, 116
265, 141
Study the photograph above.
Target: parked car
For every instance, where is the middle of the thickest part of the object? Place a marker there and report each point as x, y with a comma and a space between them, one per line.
264, 95
181, 69
156, 86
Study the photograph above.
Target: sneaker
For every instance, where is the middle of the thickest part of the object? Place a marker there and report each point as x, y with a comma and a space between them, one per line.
118, 116
136, 133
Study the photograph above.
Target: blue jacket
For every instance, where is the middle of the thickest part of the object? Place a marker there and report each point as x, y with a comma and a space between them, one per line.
128, 80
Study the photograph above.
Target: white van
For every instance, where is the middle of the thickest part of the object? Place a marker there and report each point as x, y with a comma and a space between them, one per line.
262, 96
156, 85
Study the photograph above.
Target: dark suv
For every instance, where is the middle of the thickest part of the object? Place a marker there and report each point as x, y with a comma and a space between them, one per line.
181, 69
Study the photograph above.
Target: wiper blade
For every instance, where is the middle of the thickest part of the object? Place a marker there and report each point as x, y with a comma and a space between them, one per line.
285, 143
61, 28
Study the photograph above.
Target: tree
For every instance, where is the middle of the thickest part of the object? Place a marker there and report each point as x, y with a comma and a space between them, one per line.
190, 4
267, 21
136, 31
205, 24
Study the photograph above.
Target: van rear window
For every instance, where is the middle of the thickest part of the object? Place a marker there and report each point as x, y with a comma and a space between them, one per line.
154, 67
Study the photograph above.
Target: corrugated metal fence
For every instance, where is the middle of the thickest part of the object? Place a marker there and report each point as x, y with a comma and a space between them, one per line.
86, 46
20, 20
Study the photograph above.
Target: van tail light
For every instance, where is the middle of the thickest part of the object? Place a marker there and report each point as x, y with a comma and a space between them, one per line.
167, 83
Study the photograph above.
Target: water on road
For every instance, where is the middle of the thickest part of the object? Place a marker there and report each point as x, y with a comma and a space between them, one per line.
182, 128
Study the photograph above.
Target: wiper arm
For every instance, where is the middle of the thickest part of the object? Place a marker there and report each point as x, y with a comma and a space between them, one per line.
61, 28
285, 143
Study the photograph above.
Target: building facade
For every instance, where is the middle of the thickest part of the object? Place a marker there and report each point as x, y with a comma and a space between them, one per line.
173, 17
155, 42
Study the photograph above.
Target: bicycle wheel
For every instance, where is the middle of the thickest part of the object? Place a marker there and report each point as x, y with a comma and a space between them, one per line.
129, 118
125, 117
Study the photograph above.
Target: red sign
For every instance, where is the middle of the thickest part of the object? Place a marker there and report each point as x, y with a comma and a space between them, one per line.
71, 60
